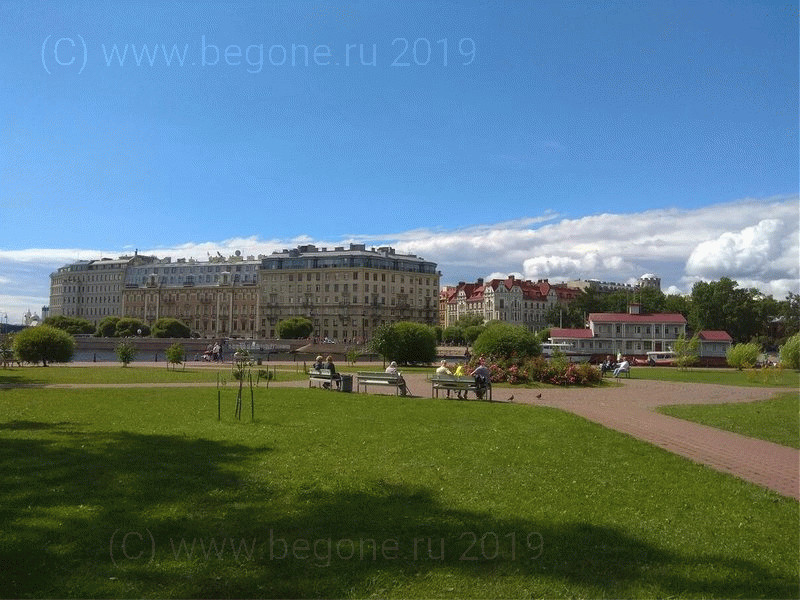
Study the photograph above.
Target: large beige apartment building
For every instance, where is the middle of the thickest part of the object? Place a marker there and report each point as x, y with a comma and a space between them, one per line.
91, 289
347, 293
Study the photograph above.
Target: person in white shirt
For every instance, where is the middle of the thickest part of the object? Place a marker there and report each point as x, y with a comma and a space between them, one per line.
623, 366
392, 369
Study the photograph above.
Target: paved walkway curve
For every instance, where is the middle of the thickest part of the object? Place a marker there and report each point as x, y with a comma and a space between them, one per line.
630, 409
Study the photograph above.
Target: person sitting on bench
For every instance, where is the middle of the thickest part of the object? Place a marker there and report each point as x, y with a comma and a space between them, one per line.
623, 367
392, 370
332, 368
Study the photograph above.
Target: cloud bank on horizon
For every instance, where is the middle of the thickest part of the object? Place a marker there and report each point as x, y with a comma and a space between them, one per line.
753, 241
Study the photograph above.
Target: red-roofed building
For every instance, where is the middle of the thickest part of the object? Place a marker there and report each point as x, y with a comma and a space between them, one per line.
511, 300
714, 343
629, 334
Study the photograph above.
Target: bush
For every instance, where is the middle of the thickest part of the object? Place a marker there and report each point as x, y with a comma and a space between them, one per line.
175, 354
743, 356
414, 343
130, 327
166, 327
503, 341
73, 325
44, 343
790, 352
107, 327
126, 352
296, 328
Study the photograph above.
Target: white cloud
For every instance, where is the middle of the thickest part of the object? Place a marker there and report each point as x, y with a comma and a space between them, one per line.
753, 241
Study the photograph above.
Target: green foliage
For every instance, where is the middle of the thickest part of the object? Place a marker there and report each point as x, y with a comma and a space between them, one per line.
569, 316
42, 344
383, 340
126, 352
73, 325
502, 341
405, 342
130, 327
107, 327
687, 352
413, 343
790, 352
453, 335
166, 327
722, 305
743, 356
472, 332
352, 355
176, 354
295, 328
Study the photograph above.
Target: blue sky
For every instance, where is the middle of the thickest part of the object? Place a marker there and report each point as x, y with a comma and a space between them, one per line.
539, 138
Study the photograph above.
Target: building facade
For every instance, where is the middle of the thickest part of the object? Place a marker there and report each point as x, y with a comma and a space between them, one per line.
347, 293
91, 289
511, 300
630, 334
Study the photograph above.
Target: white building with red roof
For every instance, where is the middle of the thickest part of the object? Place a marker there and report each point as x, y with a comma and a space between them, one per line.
629, 334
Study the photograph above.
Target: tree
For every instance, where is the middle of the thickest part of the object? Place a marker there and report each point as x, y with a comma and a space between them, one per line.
107, 327
166, 327
130, 327
176, 354
722, 305
44, 343
790, 352
126, 352
405, 342
687, 352
743, 356
294, 328
501, 340
382, 342
570, 316
73, 325
414, 343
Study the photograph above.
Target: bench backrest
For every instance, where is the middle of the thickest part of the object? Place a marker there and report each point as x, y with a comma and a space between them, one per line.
378, 376
320, 372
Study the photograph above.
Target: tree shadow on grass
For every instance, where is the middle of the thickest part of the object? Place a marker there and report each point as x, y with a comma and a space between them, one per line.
130, 515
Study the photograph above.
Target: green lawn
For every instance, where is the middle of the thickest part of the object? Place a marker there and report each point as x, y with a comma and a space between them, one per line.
750, 377
776, 420
143, 493
117, 374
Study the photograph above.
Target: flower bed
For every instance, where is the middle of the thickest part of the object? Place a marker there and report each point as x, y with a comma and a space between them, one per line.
557, 371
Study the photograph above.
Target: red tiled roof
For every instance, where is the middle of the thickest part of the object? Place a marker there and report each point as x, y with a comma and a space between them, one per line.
672, 318
711, 335
557, 332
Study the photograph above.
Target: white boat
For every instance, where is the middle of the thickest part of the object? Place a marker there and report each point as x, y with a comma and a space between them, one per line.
550, 349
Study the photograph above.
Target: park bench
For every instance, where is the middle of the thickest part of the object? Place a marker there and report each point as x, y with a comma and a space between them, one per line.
626, 372
454, 383
322, 376
379, 378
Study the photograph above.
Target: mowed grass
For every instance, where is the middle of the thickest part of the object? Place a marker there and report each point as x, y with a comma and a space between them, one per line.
144, 493
748, 377
776, 420
112, 374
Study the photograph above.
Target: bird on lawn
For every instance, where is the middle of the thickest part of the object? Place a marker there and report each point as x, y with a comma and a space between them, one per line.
539, 395
510, 398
